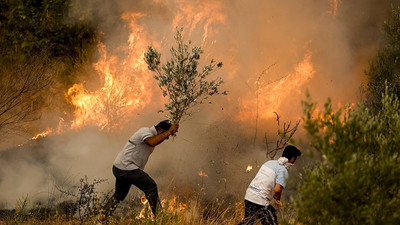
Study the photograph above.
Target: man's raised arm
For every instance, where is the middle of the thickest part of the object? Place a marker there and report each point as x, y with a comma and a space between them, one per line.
159, 138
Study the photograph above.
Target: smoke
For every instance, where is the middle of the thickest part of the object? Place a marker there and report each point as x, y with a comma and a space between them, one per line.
248, 37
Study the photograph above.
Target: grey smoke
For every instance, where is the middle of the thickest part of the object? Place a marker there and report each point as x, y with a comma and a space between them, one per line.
255, 34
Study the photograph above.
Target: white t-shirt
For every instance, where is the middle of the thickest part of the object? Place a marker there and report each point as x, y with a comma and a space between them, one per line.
136, 152
261, 188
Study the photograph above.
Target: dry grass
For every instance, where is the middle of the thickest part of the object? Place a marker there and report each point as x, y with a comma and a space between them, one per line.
189, 211
186, 208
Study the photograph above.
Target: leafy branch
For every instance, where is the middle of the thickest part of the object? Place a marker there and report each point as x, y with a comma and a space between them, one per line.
180, 80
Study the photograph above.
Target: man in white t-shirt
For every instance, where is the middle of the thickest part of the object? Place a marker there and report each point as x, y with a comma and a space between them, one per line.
130, 162
266, 188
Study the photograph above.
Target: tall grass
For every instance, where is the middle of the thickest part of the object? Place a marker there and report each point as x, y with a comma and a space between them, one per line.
184, 207
183, 211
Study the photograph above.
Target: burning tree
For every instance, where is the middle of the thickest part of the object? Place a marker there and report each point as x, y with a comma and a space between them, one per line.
180, 80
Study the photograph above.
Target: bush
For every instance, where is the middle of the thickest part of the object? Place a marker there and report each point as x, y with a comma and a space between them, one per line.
356, 181
28, 27
384, 69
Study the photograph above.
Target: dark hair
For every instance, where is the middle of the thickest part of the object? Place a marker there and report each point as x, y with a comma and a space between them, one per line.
164, 125
291, 151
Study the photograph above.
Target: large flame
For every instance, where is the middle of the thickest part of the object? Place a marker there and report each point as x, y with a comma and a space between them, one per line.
271, 96
203, 14
126, 84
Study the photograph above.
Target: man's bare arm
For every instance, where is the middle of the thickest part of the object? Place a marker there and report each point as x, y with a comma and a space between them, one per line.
158, 139
277, 194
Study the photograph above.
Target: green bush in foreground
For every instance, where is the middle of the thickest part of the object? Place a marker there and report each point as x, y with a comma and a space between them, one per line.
356, 181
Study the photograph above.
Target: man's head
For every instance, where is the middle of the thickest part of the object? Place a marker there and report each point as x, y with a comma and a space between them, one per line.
163, 125
291, 153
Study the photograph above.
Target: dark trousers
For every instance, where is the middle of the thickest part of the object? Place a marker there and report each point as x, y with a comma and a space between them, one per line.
126, 178
254, 212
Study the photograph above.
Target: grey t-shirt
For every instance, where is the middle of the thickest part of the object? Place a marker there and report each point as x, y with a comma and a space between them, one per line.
136, 152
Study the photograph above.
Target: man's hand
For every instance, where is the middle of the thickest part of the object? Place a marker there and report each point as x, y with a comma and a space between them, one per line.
173, 129
278, 203
164, 135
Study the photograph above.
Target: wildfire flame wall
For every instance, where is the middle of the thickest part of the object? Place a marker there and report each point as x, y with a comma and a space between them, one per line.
272, 52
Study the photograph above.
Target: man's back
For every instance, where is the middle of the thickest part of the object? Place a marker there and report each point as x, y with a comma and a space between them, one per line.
136, 152
261, 188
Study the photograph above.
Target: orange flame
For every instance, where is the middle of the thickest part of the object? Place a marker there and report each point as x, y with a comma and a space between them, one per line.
143, 201
334, 4
205, 13
42, 134
125, 86
202, 174
50, 130
274, 94
126, 83
249, 168
171, 205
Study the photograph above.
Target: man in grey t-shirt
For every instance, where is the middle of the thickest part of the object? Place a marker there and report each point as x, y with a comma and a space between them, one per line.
130, 162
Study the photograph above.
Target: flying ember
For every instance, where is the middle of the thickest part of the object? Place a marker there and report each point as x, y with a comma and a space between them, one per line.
249, 168
202, 174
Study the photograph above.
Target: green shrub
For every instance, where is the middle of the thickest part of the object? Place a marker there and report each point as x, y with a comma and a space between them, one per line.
356, 180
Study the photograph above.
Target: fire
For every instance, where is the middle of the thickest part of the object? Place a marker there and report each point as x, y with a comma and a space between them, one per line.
249, 168
138, 43
126, 86
202, 174
42, 134
144, 202
204, 13
171, 205
334, 7
125, 82
49, 131
274, 94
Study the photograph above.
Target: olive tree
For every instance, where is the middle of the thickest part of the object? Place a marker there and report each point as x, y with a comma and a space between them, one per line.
179, 78
385, 67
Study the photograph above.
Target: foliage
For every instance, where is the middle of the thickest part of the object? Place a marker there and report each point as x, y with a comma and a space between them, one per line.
385, 67
27, 27
20, 92
186, 209
88, 201
356, 181
180, 80
39, 43
20, 210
